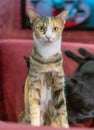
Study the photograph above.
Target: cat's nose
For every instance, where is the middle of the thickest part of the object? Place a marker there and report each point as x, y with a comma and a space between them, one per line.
48, 38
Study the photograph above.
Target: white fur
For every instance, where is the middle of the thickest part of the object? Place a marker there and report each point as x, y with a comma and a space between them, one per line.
45, 48
35, 119
45, 98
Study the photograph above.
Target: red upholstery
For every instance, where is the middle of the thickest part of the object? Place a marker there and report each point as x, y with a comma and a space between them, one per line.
11, 126
13, 72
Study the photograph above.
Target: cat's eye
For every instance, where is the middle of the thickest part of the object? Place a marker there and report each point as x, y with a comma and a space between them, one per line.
55, 29
41, 28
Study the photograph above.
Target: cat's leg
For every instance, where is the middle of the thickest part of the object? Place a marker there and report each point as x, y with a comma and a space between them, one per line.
26, 116
37, 98
59, 98
34, 107
35, 82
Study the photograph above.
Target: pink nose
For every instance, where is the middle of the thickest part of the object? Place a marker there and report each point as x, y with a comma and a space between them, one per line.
48, 38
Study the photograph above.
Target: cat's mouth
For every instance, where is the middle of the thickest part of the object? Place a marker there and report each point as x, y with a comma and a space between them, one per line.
48, 41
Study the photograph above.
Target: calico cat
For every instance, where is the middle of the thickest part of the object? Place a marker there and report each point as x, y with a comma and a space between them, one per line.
45, 102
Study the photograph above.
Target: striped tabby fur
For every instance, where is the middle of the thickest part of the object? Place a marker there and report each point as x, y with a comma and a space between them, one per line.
45, 102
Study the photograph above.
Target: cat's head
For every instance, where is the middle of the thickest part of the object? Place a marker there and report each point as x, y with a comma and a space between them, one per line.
47, 30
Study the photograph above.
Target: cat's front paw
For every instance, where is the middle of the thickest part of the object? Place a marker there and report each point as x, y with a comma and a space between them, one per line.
35, 122
58, 124
65, 125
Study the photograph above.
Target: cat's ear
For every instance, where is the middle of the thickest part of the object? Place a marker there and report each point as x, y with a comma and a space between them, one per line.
63, 16
32, 15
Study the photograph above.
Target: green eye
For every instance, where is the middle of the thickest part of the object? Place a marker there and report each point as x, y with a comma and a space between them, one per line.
41, 29
55, 29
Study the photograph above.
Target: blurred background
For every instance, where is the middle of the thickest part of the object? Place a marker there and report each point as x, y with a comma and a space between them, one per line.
79, 26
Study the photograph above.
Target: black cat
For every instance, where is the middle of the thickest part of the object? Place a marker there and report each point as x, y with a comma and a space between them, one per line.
80, 88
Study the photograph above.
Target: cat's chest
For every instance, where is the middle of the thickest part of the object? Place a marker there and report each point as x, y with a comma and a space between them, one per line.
46, 89
45, 95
